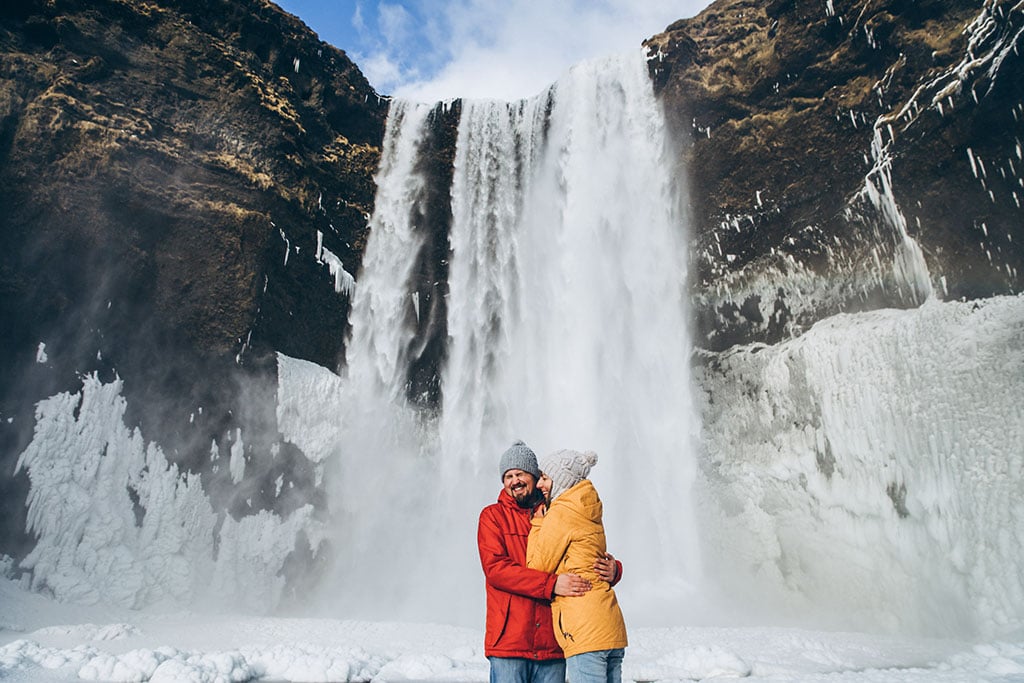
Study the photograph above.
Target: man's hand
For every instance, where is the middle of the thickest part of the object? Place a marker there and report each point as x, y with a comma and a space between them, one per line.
606, 568
571, 585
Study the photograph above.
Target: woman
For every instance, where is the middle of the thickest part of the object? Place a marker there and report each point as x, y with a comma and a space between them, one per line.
566, 538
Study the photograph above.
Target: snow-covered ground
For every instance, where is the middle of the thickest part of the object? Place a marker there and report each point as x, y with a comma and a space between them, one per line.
42, 640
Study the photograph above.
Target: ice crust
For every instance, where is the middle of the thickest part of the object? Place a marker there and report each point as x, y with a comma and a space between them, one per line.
95, 544
872, 467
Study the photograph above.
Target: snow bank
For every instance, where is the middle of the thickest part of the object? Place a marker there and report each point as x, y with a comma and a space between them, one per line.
188, 647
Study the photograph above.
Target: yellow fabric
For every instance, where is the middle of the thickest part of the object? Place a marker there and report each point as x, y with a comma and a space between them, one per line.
569, 538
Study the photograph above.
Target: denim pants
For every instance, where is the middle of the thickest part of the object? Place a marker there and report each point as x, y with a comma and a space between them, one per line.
522, 670
602, 666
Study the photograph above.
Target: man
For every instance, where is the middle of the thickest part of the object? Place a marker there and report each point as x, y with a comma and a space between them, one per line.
520, 640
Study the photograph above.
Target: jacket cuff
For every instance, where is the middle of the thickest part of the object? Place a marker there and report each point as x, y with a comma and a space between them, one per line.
549, 586
618, 573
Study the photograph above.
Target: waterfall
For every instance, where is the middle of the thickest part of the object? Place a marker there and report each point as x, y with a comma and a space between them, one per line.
566, 327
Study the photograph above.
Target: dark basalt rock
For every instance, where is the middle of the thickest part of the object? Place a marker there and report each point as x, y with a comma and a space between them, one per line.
427, 350
780, 103
165, 169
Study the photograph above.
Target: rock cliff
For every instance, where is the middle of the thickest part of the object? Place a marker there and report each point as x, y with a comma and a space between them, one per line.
185, 188
828, 140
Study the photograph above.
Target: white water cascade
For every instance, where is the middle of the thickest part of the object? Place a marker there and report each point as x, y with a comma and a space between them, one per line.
566, 328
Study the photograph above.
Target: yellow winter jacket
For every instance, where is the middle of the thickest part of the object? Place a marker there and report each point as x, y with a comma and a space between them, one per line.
568, 539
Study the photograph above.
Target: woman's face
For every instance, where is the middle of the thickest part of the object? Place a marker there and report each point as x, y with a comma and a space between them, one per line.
544, 486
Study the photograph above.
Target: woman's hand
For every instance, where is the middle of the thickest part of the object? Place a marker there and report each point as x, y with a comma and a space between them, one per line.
571, 585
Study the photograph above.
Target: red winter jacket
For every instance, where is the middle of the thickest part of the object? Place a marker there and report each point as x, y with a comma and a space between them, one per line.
518, 599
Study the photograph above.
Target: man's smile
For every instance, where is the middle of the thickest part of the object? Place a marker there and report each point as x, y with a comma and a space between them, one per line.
519, 484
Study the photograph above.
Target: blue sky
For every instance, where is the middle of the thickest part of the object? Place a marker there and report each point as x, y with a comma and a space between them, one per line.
504, 49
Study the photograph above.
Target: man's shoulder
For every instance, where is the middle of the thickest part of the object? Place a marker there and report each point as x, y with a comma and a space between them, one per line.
493, 509
493, 520
502, 511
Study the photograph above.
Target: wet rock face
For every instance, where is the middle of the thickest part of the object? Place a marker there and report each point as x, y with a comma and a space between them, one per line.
173, 179
813, 130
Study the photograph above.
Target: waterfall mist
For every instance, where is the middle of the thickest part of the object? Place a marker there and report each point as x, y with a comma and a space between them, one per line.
566, 327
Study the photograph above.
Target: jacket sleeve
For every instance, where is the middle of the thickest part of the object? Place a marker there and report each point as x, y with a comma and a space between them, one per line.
501, 571
549, 539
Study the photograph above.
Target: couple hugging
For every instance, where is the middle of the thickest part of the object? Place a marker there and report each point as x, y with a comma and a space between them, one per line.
551, 609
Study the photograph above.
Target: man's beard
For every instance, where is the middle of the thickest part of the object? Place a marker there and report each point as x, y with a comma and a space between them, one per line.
532, 500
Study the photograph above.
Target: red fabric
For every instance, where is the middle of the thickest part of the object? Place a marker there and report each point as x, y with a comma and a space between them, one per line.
518, 607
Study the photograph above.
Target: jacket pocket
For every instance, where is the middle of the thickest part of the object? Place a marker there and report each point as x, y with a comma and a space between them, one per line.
566, 635
497, 616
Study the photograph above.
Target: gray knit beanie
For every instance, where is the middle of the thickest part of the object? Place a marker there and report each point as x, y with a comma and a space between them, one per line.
519, 457
567, 468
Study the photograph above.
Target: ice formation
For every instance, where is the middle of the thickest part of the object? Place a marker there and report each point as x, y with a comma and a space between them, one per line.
116, 523
869, 471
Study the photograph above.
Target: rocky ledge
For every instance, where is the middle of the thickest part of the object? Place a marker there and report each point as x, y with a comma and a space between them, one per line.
845, 155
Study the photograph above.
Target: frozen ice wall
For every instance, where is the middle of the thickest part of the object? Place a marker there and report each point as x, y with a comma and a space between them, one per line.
868, 473
566, 328
116, 523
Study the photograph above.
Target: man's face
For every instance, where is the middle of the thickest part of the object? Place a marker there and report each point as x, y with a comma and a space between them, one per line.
520, 485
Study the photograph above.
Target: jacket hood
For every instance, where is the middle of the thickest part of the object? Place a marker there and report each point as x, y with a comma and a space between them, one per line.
583, 500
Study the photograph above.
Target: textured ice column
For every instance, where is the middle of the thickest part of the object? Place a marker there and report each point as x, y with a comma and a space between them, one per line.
909, 268
116, 523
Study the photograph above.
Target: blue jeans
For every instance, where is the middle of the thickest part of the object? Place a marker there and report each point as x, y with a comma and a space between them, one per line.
522, 670
602, 666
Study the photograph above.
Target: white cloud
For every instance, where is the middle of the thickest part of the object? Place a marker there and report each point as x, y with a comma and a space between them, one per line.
358, 23
380, 68
396, 24
508, 49
388, 44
